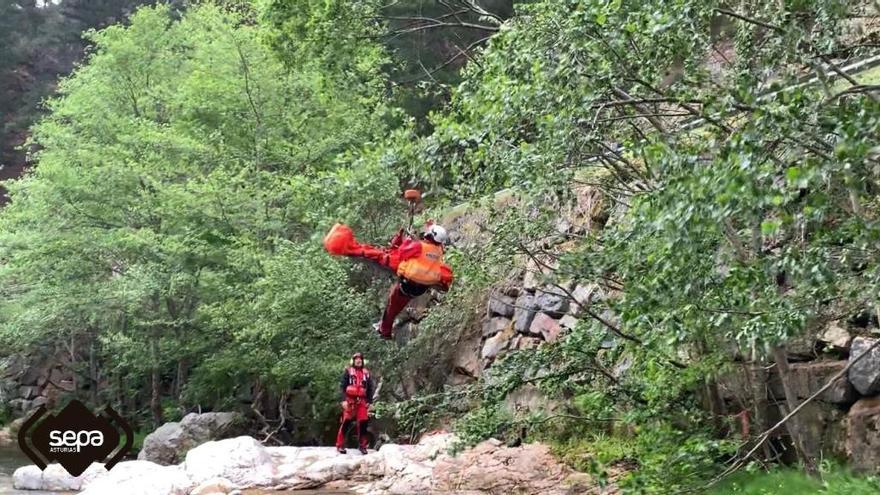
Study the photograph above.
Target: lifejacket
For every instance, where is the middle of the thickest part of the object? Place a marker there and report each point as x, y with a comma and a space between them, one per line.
426, 268
357, 387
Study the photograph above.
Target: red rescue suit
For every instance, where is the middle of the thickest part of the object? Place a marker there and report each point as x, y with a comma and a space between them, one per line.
357, 391
421, 267
418, 263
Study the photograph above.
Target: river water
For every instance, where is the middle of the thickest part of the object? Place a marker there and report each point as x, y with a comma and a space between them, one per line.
12, 458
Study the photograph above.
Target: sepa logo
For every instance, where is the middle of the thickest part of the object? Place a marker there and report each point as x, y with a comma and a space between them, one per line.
71, 441
75, 438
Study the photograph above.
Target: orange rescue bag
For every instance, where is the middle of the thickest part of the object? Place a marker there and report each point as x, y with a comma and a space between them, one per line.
340, 240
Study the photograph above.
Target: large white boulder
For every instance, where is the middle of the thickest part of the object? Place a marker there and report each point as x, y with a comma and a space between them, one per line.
28, 478
310, 467
54, 477
140, 478
242, 460
170, 442
409, 468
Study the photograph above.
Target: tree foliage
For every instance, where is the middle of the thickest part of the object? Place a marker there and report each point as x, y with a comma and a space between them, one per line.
739, 164
188, 168
185, 176
41, 41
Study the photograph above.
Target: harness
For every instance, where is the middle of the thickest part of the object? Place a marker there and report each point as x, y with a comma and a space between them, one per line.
357, 384
425, 269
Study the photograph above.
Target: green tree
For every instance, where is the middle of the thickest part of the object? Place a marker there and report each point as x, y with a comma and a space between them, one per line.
41, 41
184, 177
740, 199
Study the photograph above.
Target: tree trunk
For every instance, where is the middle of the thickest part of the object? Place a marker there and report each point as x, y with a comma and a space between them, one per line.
121, 395
757, 379
131, 396
794, 425
716, 405
73, 380
155, 399
93, 373
714, 402
180, 381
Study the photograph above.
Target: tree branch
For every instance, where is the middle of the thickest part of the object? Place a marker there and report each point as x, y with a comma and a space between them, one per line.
750, 20
467, 25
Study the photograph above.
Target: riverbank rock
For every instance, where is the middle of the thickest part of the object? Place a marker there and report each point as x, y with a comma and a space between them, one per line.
492, 468
313, 467
488, 468
241, 463
170, 442
54, 478
408, 468
242, 460
865, 374
863, 435
140, 478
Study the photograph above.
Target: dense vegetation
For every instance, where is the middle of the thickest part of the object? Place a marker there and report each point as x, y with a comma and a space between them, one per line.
41, 41
167, 243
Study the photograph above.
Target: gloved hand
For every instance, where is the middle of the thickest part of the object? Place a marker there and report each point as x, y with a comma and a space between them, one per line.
397, 239
446, 277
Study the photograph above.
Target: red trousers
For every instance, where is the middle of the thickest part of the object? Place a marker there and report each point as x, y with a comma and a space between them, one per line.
357, 412
397, 300
390, 258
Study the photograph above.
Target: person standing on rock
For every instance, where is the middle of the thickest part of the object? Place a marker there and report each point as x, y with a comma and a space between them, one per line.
356, 387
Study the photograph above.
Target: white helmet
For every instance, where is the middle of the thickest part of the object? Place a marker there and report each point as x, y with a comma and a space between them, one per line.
437, 233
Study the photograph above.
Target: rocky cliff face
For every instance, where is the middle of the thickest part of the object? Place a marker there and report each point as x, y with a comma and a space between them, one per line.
525, 312
842, 421
28, 382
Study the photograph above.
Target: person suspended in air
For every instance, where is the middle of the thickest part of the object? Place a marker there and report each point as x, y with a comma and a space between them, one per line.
417, 261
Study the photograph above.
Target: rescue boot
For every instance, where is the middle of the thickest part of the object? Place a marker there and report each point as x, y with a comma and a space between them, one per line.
378, 328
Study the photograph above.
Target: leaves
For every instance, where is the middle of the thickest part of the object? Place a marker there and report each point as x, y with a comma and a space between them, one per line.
738, 196
185, 177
